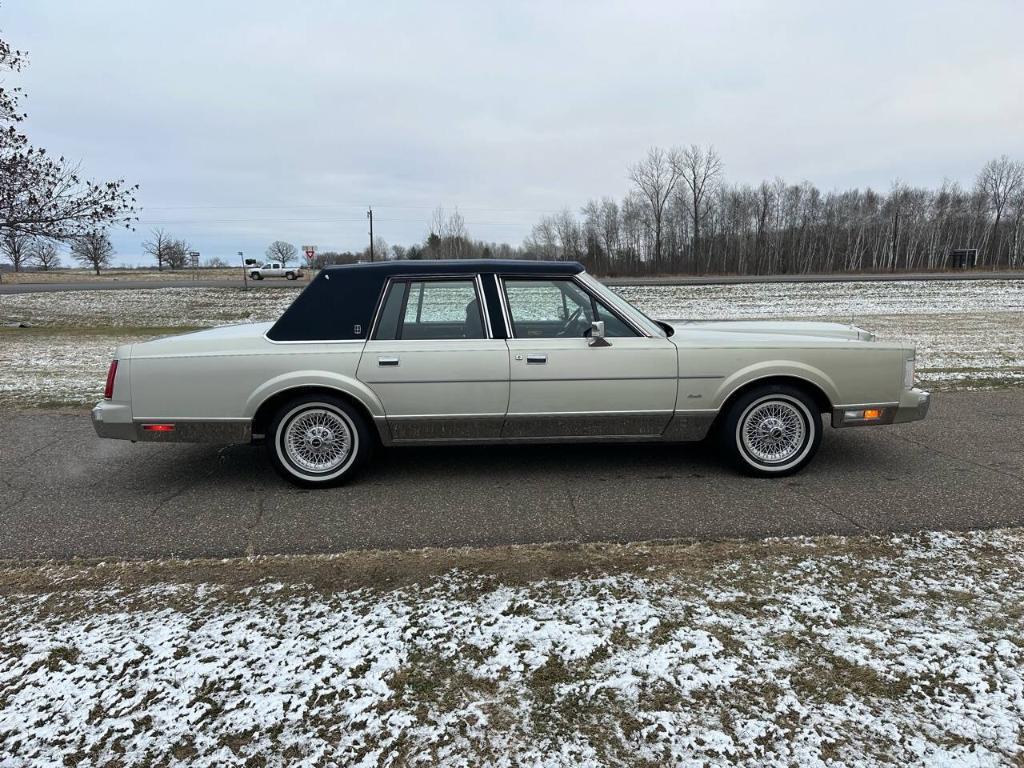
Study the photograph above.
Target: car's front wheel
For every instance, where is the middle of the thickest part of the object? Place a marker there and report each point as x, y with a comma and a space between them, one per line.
318, 441
771, 431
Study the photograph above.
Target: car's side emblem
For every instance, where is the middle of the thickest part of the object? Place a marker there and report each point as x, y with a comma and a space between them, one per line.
357, 329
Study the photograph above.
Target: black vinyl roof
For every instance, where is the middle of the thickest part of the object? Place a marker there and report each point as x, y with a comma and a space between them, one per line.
339, 303
460, 266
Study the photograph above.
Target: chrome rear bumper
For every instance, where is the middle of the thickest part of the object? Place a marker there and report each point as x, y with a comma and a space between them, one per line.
114, 420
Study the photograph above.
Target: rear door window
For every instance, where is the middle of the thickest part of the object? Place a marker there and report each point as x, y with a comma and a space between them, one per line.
431, 310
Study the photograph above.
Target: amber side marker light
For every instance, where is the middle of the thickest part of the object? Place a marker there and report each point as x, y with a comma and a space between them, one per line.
868, 414
158, 427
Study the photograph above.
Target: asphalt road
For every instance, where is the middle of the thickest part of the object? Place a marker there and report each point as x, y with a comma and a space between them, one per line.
125, 284
65, 493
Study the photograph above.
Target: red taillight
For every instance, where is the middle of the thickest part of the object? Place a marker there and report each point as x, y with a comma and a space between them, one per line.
158, 427
108, 391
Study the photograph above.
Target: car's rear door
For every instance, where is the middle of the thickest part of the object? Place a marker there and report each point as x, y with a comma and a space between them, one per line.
561, 386
433, 362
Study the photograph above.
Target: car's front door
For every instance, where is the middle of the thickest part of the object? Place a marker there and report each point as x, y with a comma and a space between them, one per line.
434, 363
562, 386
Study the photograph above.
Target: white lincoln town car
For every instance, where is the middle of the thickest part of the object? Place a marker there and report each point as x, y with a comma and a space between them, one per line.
446, 352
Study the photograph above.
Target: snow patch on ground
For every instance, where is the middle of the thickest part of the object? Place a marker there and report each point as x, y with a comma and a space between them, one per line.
900, 649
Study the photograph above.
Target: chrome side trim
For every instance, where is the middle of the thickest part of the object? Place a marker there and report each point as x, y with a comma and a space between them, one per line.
314, 341
853, 406
597, 378
500, 288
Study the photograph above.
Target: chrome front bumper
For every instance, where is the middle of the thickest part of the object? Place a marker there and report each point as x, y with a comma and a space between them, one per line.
913, 406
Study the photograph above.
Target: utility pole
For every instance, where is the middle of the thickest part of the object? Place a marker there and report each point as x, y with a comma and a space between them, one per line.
369, 215
245, 272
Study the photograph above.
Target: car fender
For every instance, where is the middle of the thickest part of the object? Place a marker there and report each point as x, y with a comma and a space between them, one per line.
314, 378
771, 368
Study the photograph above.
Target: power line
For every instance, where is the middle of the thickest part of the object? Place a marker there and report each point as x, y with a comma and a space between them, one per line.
275, 220
337, 205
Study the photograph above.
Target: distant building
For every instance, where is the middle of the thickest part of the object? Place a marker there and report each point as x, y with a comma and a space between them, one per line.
963, 258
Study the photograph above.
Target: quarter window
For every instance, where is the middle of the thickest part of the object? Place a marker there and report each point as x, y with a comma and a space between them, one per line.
431, 309
551, 309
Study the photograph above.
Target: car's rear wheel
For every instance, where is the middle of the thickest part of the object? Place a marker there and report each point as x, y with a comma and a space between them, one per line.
318, 441
290, 275
771, 431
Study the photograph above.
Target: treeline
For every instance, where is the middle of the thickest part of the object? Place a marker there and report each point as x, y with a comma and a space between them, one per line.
680, 216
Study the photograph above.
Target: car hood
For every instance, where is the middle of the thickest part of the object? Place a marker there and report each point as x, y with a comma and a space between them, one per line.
744, 329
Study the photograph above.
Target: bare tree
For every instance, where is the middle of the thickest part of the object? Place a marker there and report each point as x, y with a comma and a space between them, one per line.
1000, 180
42, 195
16, 247
176, 253
44, 254
656, 177
92, 249
448, 237
281, 251
700, 169
158, 247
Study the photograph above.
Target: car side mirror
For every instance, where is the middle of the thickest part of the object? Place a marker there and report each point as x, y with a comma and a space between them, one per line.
596, 335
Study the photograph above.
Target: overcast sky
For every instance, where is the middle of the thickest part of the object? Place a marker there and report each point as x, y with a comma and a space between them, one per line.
250, 121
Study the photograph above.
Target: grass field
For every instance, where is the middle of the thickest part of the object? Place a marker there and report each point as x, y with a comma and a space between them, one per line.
117, 275
969, 334
871, 650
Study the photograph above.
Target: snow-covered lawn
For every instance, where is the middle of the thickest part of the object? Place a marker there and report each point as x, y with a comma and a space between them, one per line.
969, 334
899, 650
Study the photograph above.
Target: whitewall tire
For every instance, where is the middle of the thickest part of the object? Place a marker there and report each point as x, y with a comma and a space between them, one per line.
771, 431
317, 441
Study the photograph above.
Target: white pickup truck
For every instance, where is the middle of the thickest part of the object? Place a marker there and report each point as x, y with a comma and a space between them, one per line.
275, 269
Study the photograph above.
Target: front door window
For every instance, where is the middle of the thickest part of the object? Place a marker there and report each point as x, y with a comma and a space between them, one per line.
555, 309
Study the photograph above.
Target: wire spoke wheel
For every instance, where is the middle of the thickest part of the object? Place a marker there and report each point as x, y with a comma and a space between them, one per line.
773, 432
317, 440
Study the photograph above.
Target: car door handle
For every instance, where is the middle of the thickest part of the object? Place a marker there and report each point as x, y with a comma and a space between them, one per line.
536, 359
385, 362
